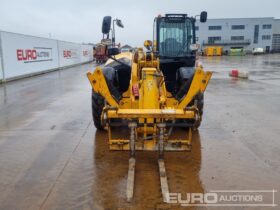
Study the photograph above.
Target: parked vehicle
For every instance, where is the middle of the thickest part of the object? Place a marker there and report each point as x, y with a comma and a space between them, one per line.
258, 51
100, 53
237, 52
213, 51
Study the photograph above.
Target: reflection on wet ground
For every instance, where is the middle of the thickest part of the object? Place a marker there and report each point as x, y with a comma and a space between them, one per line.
265, 67
51, 156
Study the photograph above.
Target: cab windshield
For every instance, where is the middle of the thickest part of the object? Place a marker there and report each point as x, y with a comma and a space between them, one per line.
175, 37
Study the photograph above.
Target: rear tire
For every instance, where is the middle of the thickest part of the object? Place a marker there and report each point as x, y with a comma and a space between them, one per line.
97, 104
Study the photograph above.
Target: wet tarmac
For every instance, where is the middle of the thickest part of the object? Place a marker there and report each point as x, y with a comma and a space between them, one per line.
52, 157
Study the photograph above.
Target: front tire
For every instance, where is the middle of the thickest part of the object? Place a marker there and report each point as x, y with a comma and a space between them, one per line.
200, 103
97, 104
199, 100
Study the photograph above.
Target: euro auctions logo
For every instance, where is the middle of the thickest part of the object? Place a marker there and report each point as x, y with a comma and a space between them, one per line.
26, 54
70, 54
67, 53
225, 198
36, 54
85, 53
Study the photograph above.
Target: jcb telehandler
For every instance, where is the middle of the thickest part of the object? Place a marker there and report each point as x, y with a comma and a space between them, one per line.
151, 92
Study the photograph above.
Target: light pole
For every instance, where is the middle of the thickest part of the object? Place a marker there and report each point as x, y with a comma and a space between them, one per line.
119, 24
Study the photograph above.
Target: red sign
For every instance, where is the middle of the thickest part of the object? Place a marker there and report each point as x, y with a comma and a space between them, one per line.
67, 53
85, 53
37, 54
26, 55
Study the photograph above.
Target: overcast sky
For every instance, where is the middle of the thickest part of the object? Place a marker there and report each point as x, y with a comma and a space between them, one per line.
80, 20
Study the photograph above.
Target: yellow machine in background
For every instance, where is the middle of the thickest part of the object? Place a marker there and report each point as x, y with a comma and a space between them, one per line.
213, 51
150, 92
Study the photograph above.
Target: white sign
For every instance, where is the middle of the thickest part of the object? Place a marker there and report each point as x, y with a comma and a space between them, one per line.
37, 54
24, 54
69, 53
86, 53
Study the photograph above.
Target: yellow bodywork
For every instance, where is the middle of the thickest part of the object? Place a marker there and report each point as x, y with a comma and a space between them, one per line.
152, 105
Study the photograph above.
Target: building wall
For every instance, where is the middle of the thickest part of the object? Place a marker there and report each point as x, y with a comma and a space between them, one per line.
276, 26
1, 63
69, 53
276, 36
227, 32
41, 52
1, 71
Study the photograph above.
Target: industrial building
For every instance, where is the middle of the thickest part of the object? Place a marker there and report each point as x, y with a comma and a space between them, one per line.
276, 36
240, 33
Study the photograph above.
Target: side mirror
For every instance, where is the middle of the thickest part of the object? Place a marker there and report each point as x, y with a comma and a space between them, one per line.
113, 51
203, 17
119, 23
106, 24
148, 44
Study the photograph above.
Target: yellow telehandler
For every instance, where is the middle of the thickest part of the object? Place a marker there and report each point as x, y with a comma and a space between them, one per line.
151, 91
